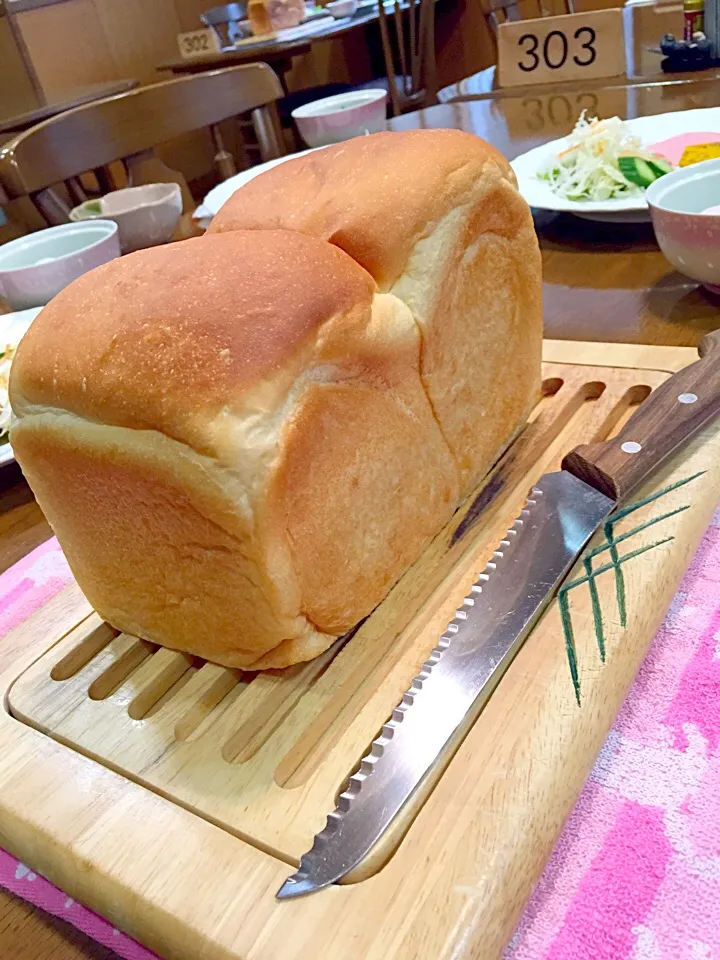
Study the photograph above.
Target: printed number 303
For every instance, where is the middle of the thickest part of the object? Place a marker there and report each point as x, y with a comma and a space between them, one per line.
555, 49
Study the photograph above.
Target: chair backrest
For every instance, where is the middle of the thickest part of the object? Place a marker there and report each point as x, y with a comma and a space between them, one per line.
501, 11
127, 127
416, 84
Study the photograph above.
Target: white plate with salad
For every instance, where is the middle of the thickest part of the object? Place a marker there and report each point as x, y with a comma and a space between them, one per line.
601, 171
12, 328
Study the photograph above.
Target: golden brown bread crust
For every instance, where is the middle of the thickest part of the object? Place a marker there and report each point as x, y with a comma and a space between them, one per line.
153, 540
435, 217
164, 338
197, 508
373, 197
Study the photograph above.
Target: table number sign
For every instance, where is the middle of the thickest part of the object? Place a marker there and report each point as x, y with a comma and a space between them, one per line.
198, 43
577, 46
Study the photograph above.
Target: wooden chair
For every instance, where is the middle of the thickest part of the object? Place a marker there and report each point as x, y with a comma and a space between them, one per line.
127, 127
502, 11
414, 84
496, 12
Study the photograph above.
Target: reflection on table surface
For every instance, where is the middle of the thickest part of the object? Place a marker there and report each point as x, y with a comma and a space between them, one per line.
601, 281
519, 123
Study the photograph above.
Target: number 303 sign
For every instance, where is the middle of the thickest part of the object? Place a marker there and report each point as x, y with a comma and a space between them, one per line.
551, 49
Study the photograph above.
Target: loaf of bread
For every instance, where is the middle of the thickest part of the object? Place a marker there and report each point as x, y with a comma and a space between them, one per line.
242, 441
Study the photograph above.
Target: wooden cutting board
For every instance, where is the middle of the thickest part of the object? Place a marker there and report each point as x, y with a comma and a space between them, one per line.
172, 795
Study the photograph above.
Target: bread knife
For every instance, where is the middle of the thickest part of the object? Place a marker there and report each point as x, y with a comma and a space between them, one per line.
563, 511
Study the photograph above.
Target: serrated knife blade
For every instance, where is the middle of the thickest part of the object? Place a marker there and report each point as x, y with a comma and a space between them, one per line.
560, 516
562, 513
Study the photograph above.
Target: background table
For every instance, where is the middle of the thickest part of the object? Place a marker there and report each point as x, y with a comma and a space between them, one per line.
278, 53
270, 50
600, 283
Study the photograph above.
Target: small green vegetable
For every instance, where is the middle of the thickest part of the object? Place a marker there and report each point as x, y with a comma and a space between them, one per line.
637, 171
660, 166
642, 171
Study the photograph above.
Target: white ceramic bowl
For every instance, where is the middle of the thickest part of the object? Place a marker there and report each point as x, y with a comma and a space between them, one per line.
342, 8
689, 238
341, 117
146, 216
34, 268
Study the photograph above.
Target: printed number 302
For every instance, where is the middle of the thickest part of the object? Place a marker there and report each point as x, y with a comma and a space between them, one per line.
555, 49
196, 44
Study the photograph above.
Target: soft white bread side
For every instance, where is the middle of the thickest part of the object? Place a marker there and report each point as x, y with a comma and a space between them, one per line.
231, 439
435, 217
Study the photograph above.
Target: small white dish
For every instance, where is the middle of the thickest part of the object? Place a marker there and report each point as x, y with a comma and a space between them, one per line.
338, 118
220, 194
342, 8
146, 215
650, 130
36, 267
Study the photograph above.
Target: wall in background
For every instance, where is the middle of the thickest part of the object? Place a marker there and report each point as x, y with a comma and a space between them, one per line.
78, 42
16, 90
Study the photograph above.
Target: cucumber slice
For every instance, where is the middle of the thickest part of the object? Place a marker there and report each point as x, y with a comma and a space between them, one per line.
637, 171
660, 166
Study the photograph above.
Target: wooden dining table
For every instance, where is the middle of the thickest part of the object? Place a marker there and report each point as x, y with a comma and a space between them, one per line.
272, 49
602, 282
278, 52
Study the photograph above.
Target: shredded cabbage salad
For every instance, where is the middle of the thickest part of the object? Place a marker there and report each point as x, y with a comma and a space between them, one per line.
587, 169
6, 356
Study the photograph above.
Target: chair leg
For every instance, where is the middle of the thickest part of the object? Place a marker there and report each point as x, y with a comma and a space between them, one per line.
269, 132
224, 161
104, 180
51, 207
389, 64
75, 189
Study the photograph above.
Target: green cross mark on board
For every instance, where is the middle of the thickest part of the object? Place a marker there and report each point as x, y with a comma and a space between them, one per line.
615, 563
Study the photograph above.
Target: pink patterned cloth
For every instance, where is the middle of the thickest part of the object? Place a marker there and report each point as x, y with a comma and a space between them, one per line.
24, 588
636, 872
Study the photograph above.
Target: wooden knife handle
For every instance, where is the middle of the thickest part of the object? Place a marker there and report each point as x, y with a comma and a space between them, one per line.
669, 417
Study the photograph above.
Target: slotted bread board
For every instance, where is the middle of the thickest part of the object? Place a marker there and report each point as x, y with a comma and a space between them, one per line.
172, 795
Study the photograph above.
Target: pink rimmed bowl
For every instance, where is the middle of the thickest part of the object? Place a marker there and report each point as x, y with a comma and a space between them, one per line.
341, 117
689, 238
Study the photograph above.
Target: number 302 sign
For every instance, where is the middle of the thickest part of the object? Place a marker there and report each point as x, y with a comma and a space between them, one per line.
573, 47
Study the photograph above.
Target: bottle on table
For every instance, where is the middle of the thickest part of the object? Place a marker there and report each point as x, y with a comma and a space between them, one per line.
694, 18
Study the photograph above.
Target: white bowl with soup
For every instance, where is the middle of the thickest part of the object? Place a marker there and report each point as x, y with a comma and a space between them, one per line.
341, 117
